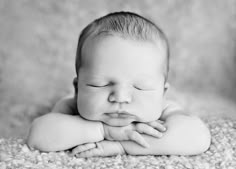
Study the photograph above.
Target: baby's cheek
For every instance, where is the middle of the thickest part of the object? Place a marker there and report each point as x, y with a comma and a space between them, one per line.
89, 106
158, 107
153, 113
150, 107
84, 106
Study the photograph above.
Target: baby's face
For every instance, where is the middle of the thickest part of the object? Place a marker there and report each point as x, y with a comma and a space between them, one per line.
121, 81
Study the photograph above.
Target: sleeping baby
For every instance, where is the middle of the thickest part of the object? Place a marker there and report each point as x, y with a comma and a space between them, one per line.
119, 105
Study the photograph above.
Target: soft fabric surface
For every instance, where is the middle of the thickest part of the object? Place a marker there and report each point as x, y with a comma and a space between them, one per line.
221, 154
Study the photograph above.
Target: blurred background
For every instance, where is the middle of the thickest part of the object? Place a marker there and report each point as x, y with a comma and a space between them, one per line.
38, 42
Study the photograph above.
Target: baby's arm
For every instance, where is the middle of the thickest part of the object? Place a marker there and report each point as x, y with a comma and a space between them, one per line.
185, 135
55, 132
59, 130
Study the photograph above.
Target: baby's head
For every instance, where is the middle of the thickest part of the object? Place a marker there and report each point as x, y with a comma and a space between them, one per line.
122, 67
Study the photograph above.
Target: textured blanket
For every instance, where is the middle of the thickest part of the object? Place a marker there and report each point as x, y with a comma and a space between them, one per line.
15, 154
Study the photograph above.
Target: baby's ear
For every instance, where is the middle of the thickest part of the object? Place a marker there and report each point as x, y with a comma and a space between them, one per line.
166, 87
75, 84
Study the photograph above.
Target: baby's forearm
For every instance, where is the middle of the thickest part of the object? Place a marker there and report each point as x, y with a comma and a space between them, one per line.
56, 131
184, 136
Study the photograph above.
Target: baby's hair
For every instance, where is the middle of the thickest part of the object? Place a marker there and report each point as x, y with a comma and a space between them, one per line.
126, 25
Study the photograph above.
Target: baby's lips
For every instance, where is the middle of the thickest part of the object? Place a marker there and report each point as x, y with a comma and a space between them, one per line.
119, 114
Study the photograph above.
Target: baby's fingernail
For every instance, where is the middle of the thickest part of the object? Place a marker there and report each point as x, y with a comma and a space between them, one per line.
160, 134
145, 144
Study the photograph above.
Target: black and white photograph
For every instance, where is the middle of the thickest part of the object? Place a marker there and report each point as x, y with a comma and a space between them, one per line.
135, 84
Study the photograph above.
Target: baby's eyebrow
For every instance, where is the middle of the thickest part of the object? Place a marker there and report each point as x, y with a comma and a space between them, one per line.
97, 78
93, 76
147, 78
137, 79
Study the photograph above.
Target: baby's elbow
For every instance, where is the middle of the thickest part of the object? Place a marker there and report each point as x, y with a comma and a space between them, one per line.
202, 136
31, 140
34, 139
206, 140
206, 143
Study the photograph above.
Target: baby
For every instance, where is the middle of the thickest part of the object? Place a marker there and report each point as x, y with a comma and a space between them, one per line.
119, 105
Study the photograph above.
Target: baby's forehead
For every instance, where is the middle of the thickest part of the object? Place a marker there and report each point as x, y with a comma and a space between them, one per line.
94, 50
158, 42
92, 44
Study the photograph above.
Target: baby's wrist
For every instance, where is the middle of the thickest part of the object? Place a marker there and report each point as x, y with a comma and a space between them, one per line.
102, 129
105, 132
122, 149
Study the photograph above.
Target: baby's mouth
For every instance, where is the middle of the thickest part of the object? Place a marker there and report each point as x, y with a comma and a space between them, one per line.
119, 114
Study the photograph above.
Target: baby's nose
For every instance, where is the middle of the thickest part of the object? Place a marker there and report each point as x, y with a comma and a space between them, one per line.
120, 95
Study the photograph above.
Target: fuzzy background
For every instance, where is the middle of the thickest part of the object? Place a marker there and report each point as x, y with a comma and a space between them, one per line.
38, 42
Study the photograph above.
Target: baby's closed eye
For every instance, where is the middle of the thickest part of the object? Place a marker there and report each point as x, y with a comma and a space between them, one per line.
97, 85
144, 86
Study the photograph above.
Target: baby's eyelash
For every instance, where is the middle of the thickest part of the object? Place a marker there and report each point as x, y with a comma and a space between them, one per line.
144, 89
137, 88
91, 85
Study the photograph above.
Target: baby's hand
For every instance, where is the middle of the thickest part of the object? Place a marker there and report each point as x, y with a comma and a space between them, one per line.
133, 132
102, 149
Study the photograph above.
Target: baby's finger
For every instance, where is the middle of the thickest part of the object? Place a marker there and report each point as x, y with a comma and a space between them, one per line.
136, 137
149, 130
94, 152
82, 148
160, 121
158, 125
90, 153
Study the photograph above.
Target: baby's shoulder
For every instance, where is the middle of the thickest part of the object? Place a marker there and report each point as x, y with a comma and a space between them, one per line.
172, 105
66, 105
